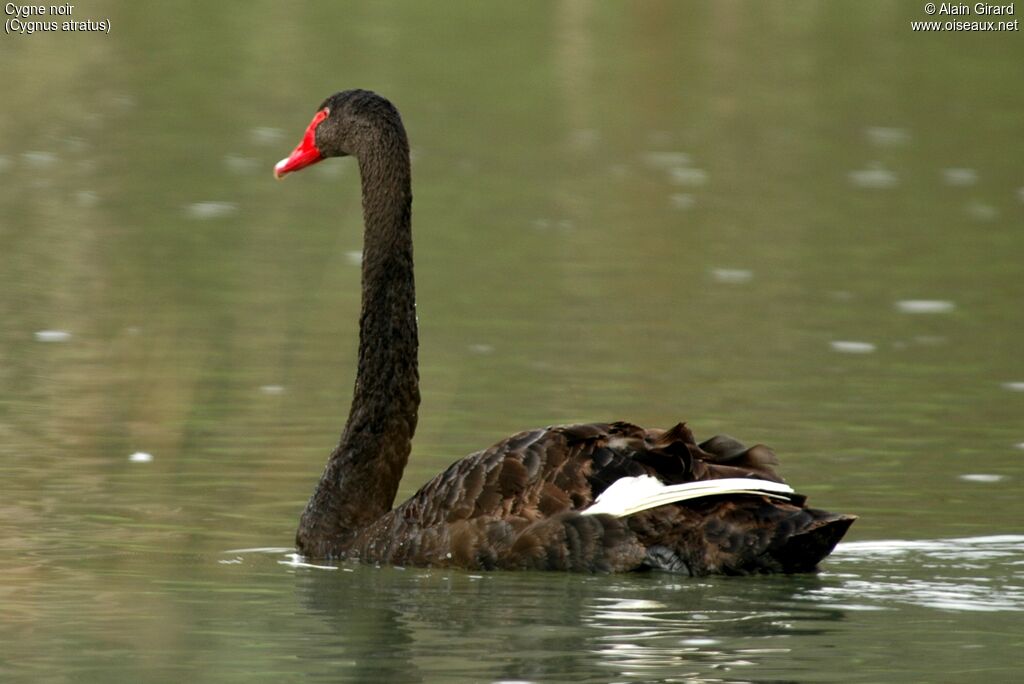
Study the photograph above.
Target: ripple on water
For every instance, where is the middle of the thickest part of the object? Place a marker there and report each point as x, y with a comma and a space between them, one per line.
962, 574
286, 556
1014, 386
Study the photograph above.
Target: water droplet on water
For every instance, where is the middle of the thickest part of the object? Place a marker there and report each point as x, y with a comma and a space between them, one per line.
929, 340
618, 171
74, 144
925, 306
852, 347
39, 160
354, 257
886, 136
666, 160
981, 477
584, 138
960, 177
981, 211
682, 200
87, 198
266, 135
1014, 386
124, 101
875, 178
236, 163
481, 348
140, 457
204, 211
732, 275
272, 389
688, 176
52, 335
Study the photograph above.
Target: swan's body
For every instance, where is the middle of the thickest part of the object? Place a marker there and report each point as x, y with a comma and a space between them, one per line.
523, 503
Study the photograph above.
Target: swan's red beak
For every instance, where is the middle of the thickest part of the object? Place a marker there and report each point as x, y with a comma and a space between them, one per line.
306, 153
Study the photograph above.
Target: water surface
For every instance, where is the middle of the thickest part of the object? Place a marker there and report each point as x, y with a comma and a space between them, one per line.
800, 225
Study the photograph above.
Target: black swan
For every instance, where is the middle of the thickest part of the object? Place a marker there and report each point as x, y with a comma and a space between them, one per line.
601, 497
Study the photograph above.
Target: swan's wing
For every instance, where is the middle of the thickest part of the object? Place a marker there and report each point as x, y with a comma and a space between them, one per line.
543, 472
523, 503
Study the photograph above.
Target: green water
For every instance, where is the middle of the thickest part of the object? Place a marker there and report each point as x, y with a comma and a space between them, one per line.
656, 211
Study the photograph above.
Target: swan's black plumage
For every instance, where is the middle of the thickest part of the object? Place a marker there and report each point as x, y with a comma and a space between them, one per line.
518, 504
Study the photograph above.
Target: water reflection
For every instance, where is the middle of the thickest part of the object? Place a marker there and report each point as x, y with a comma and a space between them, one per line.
399, 624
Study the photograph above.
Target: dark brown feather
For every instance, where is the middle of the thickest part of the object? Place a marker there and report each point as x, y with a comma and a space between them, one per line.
490, 510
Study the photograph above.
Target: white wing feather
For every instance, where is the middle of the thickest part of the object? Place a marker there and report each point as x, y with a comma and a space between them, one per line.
630, 495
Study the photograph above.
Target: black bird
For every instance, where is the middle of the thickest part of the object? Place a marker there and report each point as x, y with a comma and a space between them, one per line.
594, 497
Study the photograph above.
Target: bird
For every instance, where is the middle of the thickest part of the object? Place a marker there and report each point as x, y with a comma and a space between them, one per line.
598, 497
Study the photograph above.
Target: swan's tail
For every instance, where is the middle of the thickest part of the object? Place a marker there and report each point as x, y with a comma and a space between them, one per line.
745, 538
803, 551
629, 495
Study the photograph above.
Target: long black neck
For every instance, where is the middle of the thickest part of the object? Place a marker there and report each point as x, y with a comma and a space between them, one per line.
362, 475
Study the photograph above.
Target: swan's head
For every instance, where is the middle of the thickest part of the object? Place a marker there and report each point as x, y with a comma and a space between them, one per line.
344, 124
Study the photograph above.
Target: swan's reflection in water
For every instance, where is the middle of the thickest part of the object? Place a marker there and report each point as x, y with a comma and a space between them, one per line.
412, 625
361, 623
